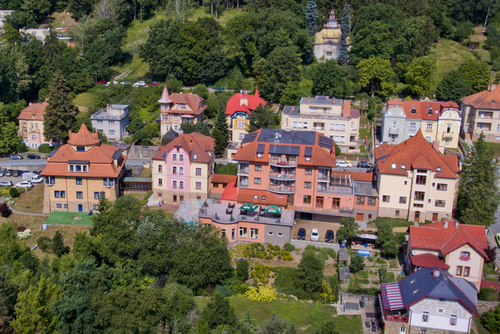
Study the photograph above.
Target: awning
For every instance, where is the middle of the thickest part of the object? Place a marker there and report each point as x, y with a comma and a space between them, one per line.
392, 299
187, 116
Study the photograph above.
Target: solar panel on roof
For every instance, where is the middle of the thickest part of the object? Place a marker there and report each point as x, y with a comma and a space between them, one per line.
308, 151
282, 149
249, 138
325, 142
260, 148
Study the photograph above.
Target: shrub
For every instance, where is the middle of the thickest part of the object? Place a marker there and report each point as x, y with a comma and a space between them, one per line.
24, 234
58, 247
327, 295
242, 270
5, 211
488, 294
127, 140
13, 192
44, 148
263, 293
224, 290
148, 194
21, 148
21, 190
45, 244
357, 263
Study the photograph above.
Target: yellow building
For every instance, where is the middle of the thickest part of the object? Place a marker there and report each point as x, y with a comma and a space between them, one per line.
80, 172
31, 124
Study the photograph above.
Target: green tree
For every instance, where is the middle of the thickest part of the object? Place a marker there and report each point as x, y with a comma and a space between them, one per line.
477, 73
58, 247
309, 274
242, 267
419, 75
220, 133
8, 298
262, 118
311, 17
59, 117
387, 240
36, 9
33, 309
200, 127
218, 312
491, 320
79, 8
331, 79
478, 194
277, 325
357, 263
327, 327
375, 74
453, 87
8, 136
348, 229
345, 26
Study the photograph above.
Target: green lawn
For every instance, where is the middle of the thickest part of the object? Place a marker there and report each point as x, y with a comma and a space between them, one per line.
66, 218
392, 221
480, 328
305, 316
495, 147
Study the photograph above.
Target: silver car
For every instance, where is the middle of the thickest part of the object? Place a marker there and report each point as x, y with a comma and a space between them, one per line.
6, 184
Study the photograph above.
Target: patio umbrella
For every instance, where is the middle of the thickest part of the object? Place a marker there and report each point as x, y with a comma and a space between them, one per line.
248, 207
272, 209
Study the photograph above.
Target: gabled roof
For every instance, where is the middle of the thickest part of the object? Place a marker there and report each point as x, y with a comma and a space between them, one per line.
222, 178
438, 283
489, 99
415, 152
234, 104
194, 102
83, 137
447, 239
38, 109
195, 144
426, 110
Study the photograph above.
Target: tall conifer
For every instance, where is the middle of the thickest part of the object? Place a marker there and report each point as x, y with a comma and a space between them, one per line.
345, 26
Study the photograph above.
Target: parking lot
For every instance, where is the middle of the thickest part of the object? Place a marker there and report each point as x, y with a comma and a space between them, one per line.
310, 224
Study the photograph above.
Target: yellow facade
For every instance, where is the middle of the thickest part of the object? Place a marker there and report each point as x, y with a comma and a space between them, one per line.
238, 127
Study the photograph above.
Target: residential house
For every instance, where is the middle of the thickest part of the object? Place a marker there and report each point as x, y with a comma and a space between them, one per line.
330, 117
178, 108
219, 184
429, 301
38, 33
458, 248
3, 14
481, 114
439, 121
415, 181
112, 121
327, 41
183, 168
31, 124
80, 172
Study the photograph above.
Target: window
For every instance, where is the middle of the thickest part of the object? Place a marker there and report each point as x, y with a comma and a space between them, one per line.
258, 168
402, 330
402, 199
403, 167
241, 125
428, 138
160, 168
440, 203
181, 157
393, 166
413, 126
93, 206
466, 271
294, 124
198, 185
453, 320
255, 197
465, 255
371, 201
78, 168
254, 233
111, 122
360, 200
160, 194
418, 205
181, 198
59, 205
111, 132
428, 127
53, 180
459, 270
181, 184
160, 182
174, 157
181, 170
396, 213
394, 125
425, 316
270, 233
243, 232
307, 185
421, 179
280, 234
233, 234
438, 169
419, 195
174, 184
174, 170
386, 198
198, 171
241, 136
223, 233
63, 194
80, 148
70, 168
307, 199
442, 187
306, 124
84, 168
174, 198
96, 195
263, 197
79, 195
256, 180
309, 171
56, 194
78, 180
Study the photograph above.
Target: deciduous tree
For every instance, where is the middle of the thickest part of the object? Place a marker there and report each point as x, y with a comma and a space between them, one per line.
453, 87
309, 274
477, 73
419, 75
348, 229
375, 74
331, 79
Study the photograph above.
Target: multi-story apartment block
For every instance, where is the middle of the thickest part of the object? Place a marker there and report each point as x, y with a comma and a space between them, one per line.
239, 109
3, 14
178, 108
330, 117
31, 124
481, 114
439, 121
415, 180
183, 168
80, 172
112, 121
458, 248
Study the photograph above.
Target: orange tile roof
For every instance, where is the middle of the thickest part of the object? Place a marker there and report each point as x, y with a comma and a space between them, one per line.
38, 109
357, 176
83, 137
193, 143
435, 236
247, 196
426, 110
222, 178
192, 100
230, 192
489, 99
415, 152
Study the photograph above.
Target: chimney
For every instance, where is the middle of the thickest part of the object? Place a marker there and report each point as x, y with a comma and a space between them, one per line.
435, 145
308, 99
435, 273
446, 223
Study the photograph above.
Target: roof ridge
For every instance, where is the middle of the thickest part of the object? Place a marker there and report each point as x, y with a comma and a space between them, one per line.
463, 293
449, 239
470, 238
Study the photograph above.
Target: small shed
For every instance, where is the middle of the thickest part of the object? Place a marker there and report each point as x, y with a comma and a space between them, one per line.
343, 255
344, 275
135, 184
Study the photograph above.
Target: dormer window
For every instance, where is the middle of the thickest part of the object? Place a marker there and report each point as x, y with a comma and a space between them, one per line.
429, 111
80, 148
33, 116
308, 158
403, 167
393, 166
259, 155
195, 156
413, 110
438, 169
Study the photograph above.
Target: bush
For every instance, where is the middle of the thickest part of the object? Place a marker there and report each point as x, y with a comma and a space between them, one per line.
223, 290
44, 148
127, 140
263, 293
58, 247
13, 192
357, 263
488, 294
5, 211
148, 194
21, 148
45, 244
21, 190
242, 270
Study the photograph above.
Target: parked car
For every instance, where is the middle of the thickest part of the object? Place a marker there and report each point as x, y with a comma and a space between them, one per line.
314, 234
125, 83
301, 235
498, 238
232, 161
37, 179
8, 172
15, 157
154, 83
101, 82
343, 164
329, 236
16, 173
364, 164
24, 184
33, 156
2, 171
6, 183
139, 83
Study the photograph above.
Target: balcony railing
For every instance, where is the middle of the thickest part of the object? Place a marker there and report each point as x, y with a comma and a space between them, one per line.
448, 135
283, 176
242, 171
282, 163
397, 318
324, 177
282, 189
242, 184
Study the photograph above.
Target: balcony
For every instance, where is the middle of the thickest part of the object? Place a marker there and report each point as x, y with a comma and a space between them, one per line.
243, 171
242, 185
282, 176
324, 177
282, 163
396, 318
393, 131
448, 135
282, 189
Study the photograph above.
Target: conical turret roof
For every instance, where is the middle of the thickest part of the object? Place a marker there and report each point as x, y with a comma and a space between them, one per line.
165, 98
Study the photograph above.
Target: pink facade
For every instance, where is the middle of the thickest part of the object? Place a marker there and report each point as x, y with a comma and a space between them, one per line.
178, 169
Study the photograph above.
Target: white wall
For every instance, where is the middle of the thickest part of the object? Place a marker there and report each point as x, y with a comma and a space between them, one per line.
440, 320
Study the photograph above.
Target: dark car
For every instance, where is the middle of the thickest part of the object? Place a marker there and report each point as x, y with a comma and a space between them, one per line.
301, 235
16, 157
16, 173
33, 156
329, 236
364, 164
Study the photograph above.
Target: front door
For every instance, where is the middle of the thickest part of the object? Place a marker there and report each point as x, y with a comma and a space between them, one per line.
360, 217
319, 202
336, 203
434, 217
417, 217
80, 207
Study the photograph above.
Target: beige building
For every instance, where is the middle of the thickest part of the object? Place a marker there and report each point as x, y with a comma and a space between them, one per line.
481, 114
327, 41
330, 117
80, 172
31, 124
3, 14
415, 180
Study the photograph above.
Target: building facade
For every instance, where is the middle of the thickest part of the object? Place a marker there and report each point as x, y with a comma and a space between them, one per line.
3, 14
80, 172
330, 117
178, 108
38, 33
415, 181
183, 169
220, 182
31, 124
481, 114
438, 121
112, 121
327, 41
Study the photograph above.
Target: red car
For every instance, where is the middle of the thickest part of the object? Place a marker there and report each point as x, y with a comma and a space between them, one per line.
154, 83
101, 82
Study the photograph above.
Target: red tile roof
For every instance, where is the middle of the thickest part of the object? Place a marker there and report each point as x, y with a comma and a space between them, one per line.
222, 178
234, 104
38, 109
428, 260
165, 98
357, 176
230, 192
427, 110
248, 196
193, 143
415, 152
83, 137
489, 99
194, 102
436, 236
